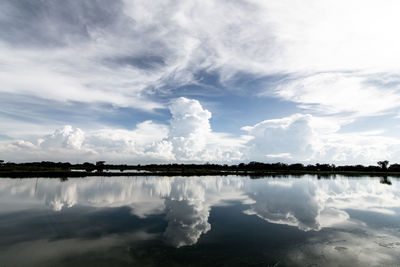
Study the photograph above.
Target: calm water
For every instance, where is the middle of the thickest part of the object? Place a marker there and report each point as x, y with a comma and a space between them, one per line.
200, 221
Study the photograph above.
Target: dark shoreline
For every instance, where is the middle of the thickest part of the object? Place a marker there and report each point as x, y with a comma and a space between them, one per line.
252, 173
252, 169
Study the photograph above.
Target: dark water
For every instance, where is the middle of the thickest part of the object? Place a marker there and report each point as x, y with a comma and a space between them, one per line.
200, 221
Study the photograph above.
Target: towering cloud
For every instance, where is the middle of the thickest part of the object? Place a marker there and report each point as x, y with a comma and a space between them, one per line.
190, 128
66, 137
286, 138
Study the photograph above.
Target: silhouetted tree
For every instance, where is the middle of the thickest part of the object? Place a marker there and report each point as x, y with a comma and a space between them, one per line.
383, 164
100, 165
89, 167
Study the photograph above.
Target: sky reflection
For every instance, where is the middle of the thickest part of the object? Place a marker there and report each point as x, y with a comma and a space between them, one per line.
176, 211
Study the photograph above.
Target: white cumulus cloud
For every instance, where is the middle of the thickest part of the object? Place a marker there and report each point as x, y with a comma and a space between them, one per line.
188, 138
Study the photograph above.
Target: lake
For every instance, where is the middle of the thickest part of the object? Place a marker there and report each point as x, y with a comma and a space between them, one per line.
200, 221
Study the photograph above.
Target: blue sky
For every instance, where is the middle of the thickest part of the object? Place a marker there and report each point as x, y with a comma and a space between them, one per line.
199, 81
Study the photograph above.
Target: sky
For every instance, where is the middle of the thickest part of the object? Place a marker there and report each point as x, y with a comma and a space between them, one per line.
200, 81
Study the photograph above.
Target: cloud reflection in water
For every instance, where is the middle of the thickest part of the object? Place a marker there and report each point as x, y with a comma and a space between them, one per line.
306, 203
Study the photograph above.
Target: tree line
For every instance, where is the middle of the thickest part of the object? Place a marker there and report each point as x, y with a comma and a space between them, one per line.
100, 166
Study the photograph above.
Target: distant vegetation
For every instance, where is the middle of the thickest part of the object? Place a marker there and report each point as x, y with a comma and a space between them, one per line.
65, 169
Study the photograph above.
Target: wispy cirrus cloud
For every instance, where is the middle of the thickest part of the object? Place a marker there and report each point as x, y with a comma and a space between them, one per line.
347, 94
335, 61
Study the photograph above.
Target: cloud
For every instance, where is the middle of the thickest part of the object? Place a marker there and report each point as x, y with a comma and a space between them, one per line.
291, 137
290, 211
192, 138
314, 206
56, 23
305, 204
146, 140
190, 127
186, 222
280, 155
332, 93
217, 36
331, 58
309, 205
186, 203
308, 138
52, 78
66, 137
60, 30
188, 138
361, 147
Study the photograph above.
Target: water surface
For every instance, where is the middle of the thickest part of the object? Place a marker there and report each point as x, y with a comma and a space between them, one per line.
200, 221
